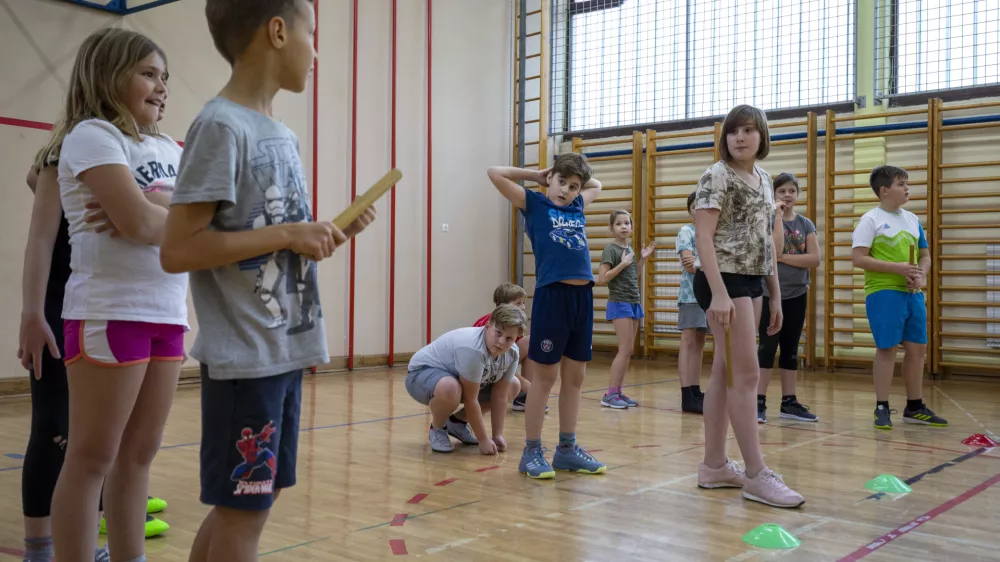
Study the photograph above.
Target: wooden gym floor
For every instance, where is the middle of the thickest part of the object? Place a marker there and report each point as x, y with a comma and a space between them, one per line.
370, 489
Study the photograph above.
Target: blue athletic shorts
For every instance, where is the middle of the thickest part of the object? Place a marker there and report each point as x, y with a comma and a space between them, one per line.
618, 310
562, 323
896, 316
249, 439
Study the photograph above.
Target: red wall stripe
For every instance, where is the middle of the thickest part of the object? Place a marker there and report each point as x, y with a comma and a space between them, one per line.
354, 186
392, 206
430, 158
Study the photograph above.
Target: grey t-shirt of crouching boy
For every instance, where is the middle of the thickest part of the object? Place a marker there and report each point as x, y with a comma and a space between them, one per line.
261, 316
463, 352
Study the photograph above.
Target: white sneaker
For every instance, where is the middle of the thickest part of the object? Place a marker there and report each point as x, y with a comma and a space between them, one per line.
440, 442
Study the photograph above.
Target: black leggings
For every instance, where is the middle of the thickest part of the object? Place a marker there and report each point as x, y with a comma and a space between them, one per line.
46, 450
794, 312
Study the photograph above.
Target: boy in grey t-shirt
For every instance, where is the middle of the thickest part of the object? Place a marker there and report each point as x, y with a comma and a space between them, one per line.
474, 367
240, 222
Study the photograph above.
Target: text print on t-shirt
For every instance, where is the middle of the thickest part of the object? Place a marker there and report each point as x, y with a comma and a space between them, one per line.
567, 228
153, 171
285, 281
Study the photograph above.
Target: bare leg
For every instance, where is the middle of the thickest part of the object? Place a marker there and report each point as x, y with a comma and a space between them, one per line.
885, 364
543, 379
127, 486
447, 397
572, 373
101, 402
913, 369
625, 331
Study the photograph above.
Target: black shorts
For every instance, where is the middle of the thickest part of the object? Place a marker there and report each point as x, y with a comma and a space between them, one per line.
737, 286
562, 323
249, 438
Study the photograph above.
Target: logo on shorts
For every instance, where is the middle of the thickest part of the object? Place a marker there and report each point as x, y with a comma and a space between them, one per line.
546, 345
256, 454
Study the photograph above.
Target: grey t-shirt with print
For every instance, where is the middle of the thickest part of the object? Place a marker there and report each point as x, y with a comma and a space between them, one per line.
259, 317
463, 353
794, 281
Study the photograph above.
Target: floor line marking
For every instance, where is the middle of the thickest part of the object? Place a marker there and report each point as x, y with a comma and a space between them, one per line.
933, 470
913, 524
992, 435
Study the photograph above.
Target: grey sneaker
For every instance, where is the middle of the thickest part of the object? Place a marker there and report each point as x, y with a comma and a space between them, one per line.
761, 412
462, 432
614, 401
440, 442
102, 555
883, 419
631, 403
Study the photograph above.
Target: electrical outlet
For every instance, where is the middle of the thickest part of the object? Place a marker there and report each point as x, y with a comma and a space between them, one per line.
444, 227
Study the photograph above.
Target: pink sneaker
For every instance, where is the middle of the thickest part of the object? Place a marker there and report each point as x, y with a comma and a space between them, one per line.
768, 487
730, 475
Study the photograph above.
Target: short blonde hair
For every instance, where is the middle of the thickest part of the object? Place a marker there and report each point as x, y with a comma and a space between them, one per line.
509, 316
739, 116
507, 293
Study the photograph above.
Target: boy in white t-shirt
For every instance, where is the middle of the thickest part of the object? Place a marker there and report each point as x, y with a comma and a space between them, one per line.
894, 298
474, 367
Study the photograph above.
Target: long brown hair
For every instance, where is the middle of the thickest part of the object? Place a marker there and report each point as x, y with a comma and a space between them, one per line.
102, 68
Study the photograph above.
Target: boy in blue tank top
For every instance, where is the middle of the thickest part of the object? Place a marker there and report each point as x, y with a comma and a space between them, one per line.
562, 311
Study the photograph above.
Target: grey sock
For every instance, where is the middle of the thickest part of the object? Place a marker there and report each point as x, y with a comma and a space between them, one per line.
533, 443
38, 549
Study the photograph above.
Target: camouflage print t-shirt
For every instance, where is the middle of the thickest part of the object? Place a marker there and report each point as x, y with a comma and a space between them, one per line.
746, 219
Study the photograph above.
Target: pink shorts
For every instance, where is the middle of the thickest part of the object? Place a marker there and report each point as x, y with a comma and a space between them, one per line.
120, 343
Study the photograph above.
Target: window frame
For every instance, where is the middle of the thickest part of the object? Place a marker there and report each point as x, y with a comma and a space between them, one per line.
574, 8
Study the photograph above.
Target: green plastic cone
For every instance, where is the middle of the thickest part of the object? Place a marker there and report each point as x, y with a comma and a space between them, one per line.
888, 484
770, 535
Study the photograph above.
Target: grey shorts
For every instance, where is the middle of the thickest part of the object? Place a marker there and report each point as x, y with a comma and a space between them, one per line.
690, 315
420, 384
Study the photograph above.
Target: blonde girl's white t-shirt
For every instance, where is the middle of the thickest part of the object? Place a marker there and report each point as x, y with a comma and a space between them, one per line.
117, 278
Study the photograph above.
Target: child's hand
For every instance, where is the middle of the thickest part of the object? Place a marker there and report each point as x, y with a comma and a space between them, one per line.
916, 282
487, 447
687, 261
779, 207
627, 259
34, 337
909, 270
361, 222
648, 250
316, 240
723, 310
777, 317
101, 218
543, 177
500, 442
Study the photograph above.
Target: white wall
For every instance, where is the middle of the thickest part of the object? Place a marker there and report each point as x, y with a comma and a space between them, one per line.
471, 105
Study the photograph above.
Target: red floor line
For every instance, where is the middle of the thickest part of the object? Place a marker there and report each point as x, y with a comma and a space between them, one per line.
12, 552
417, 498
446, 482
485, 468
645, 446
398, 546
398, 520
900, 531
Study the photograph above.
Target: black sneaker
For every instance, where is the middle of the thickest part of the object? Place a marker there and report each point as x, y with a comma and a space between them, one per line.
882, 419
923, 416
792, 410
761, 412
518, 404
692, 404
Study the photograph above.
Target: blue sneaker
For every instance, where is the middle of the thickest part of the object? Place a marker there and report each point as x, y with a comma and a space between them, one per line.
576, 460
533, 464
631, 403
